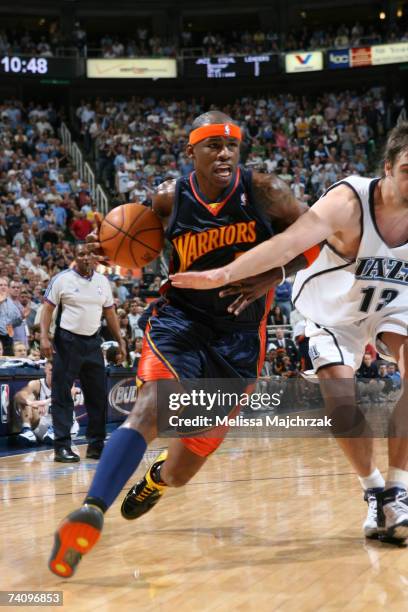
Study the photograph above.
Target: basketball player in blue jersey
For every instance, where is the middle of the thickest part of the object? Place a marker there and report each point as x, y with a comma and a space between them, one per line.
355, 292
217, 213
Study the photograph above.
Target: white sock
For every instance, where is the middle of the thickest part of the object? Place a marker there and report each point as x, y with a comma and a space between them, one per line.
396, 478
373, 480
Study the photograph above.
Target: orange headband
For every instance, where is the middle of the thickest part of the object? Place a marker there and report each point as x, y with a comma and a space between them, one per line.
214, 129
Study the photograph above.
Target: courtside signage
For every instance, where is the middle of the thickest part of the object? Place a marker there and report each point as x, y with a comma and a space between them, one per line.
338, 58
131, 68
304, 62
389, 54
360, 56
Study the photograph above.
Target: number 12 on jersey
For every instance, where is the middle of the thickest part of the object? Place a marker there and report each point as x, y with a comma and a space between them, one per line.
386, 296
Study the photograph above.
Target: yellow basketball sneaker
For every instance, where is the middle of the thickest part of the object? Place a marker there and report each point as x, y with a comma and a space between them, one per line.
144, 494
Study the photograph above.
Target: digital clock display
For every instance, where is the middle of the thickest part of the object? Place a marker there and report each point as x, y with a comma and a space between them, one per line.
53, 67
22, 65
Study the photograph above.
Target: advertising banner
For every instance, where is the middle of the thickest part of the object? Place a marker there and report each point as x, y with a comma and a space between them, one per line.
304, 62
360, 56
389, 54
122, 393
338, 58
135, 68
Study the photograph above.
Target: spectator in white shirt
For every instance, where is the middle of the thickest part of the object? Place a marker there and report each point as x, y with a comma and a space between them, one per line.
118, 49
14, 186
122, 181
44, 126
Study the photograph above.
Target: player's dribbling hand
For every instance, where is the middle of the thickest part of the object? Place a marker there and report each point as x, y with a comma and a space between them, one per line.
251, 289
210, 279
93, 246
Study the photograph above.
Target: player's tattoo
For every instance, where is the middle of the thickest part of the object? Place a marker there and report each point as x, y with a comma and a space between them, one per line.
163, 200
277, 200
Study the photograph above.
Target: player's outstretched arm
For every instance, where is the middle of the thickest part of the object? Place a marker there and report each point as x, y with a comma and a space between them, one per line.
338, 211
250, 289
278, 203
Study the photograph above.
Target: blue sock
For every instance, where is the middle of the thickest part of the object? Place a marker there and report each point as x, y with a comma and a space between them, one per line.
120, 458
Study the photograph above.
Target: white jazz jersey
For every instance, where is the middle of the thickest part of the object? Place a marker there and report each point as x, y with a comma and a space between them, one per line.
45, 391
335, 291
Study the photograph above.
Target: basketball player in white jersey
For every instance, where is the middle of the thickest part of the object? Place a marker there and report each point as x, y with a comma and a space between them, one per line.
33, 405
354, 293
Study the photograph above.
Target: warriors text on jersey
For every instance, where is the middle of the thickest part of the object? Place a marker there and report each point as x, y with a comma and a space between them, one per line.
335, 291
206, 235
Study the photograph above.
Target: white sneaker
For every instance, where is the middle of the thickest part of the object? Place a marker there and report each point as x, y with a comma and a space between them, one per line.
393, 513
49, 436
27, 437
74, 429
370, 525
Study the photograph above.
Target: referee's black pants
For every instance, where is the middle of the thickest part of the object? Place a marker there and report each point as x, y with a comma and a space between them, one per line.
7, 343
78, 357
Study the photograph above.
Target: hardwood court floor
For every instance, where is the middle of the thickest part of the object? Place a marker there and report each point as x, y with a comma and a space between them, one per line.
266, 525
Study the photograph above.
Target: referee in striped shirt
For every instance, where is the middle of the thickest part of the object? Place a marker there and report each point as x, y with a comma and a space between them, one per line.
82, 296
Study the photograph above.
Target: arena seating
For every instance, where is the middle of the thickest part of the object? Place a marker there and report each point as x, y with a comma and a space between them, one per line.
144, 43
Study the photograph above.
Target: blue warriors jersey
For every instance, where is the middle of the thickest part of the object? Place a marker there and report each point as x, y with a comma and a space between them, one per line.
205, 235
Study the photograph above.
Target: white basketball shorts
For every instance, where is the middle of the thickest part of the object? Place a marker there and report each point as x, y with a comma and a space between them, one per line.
345, 344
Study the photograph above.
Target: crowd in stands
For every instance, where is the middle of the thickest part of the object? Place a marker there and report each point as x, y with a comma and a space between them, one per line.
310, 143
377, 379
260, 41
44, 209
141, 45
144, 43
29, 43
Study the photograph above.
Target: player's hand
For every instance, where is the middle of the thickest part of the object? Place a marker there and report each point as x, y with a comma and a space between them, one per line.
93, 246
46, 348
122, 350
74, 391
210, 279
26, 311
251, 289
40, 405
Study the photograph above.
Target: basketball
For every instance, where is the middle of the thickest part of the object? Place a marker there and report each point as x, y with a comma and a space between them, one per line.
131, 235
